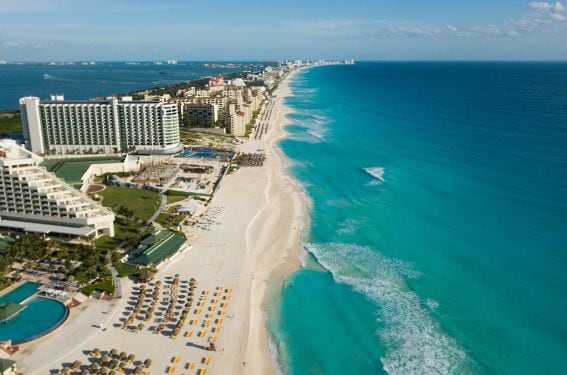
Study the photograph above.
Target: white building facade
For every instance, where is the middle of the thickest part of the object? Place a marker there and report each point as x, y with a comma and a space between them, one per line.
35, 200
90, 127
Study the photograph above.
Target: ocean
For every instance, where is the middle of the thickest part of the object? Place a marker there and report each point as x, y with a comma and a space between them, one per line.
438, 238
80, 82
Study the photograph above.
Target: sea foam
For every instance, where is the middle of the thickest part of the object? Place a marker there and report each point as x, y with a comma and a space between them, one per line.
377, 173
415, 341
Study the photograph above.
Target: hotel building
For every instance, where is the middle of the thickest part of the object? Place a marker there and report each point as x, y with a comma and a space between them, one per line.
201, 115
108, 126
35, 200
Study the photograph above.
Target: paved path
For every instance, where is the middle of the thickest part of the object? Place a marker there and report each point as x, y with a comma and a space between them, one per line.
160, 208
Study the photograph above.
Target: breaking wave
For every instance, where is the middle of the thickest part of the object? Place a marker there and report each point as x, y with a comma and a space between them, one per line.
377, 173
414, 341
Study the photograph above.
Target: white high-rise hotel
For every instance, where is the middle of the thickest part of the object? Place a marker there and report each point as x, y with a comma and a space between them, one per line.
107, 126
35, 200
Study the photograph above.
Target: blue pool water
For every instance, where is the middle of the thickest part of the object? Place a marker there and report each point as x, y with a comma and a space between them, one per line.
41, 315
438, 242
21, 293
207, 153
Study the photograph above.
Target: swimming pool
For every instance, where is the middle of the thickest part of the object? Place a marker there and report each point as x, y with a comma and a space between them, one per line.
207, 153
21, 293
41, 315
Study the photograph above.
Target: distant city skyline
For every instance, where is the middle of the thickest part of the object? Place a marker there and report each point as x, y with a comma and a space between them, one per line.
65, 30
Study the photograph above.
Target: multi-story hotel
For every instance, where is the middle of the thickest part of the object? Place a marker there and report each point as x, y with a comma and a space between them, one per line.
107, 126
201, 115
34, 200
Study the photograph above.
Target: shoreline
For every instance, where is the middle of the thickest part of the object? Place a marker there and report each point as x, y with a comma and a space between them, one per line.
257, 244
290, 261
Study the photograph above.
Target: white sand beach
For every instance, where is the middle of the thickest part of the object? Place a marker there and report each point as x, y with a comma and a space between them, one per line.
257, 241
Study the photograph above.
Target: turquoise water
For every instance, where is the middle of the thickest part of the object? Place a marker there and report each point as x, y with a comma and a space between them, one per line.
40, 316
438, 239
21, 293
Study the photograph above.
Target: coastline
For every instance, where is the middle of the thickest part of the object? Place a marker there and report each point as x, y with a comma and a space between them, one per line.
255, 247
290, 261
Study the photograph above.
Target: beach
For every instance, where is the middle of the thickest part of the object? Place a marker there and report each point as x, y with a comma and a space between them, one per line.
256, 244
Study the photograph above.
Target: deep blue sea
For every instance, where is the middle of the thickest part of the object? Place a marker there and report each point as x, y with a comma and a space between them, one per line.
438, 242
79, 81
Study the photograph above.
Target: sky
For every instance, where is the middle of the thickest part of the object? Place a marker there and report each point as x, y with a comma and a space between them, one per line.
103, 30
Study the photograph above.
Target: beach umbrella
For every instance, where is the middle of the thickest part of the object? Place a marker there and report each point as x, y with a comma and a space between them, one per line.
85, 372
95, 352
104, 370
123, 356
138, 370
112, 372
140, 326
123, 365
76, 365
148, 363
105, 359
94, 367
113, 353
131, 358
66, 371
113, 363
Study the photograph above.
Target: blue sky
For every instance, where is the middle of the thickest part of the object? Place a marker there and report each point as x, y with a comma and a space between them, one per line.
39, 30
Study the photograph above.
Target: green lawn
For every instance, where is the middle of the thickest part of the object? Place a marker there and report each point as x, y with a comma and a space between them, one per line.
101, 286
125, 269
141, 201
175, 198
10, 123
71, 170
168, 220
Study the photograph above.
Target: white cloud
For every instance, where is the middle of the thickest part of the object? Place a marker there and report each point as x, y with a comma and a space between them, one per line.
14, 43
538, 5
554, 12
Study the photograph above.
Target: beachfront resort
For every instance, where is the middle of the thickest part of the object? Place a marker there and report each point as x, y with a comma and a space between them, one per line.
124, 228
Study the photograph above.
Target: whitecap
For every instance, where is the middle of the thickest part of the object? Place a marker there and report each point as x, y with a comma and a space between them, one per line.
415, 342
347, 226
338, 203
377, 173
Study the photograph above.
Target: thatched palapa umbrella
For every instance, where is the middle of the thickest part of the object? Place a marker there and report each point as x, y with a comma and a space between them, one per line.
94, 367
148, 363
77, 365
138, 370
131, 358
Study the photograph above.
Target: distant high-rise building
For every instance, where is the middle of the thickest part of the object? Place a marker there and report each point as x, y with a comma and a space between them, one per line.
107, 126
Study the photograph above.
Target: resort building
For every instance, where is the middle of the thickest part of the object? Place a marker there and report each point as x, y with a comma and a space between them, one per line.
34, 200
105, 126
201, 115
